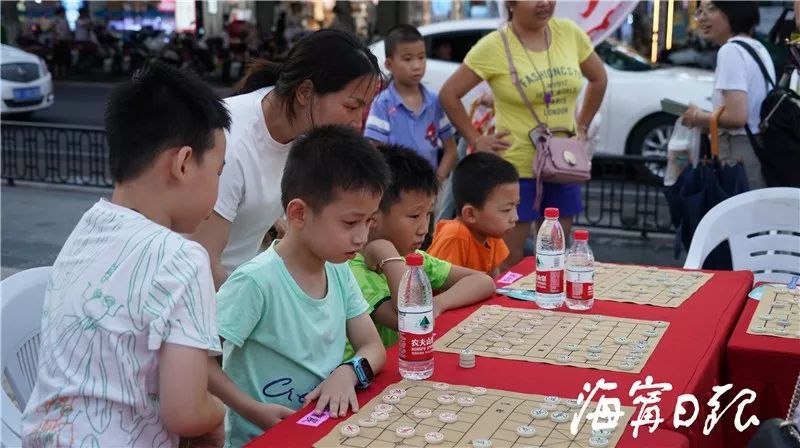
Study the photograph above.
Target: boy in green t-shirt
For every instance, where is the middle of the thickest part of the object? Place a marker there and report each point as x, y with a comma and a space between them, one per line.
400, 228
286, 315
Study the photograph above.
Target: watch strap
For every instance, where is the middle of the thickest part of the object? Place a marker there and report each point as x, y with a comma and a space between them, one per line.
360, 376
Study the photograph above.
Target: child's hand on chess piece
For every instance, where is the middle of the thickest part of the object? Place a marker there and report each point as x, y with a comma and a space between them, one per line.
337, 392
265, 415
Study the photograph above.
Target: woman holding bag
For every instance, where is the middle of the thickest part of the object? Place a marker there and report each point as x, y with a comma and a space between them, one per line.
739, 84
552, 56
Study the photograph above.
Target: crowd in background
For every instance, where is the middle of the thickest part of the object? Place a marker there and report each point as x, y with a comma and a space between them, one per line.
95, 44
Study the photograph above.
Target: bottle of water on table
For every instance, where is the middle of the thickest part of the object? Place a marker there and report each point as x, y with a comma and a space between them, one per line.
580, 273
415, 321
550, 261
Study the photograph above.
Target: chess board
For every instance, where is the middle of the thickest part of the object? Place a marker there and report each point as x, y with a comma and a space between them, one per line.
506, 419
636, 284
580, 340
777, 314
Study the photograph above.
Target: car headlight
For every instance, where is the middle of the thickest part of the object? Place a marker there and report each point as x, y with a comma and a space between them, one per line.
43, 67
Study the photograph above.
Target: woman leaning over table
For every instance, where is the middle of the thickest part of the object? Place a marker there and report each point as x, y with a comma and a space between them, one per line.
311, 88
552, 56
739, 84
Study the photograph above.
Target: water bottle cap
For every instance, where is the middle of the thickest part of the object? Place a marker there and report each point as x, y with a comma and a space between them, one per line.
581, 235
551, 212
414, 259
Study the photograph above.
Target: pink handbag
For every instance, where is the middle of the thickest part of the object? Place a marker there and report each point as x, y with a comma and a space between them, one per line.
559, 160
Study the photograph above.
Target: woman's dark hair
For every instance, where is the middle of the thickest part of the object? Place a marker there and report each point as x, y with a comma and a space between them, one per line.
742, 16
329, 58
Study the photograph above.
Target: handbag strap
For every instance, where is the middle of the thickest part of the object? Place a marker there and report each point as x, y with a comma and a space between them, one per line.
770, 84
515, 78
752, 52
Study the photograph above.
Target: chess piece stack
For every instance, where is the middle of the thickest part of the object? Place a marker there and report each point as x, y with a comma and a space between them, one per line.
467, 359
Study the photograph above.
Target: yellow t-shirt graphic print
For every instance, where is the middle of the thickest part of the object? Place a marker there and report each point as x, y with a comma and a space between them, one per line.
559, 74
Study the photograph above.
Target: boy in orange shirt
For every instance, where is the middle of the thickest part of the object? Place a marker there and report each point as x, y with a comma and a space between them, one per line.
486, 191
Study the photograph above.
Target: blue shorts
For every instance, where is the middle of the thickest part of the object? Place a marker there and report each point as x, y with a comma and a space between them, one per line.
567, 197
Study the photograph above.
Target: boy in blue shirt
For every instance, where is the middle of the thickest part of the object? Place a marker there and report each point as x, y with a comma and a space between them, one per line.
286, 314
408, 114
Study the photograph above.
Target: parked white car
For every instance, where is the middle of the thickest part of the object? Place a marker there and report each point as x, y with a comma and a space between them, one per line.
630, 120
26, 82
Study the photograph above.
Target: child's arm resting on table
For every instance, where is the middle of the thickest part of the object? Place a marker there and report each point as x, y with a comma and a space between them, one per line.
263, 415
337, 392
463, 287
376, 251
186, 406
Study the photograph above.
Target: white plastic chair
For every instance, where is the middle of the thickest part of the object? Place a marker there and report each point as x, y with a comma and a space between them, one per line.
762, 228
22, 302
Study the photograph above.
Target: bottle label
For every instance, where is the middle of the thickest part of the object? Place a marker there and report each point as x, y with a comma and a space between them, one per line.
550, 272
416, 336
580, 284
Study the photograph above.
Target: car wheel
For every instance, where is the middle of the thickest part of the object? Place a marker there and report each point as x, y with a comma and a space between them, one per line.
650, 139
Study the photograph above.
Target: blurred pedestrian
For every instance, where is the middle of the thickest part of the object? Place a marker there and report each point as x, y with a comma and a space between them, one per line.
739, 85
290, 20
343, 17
62, 43
84, 26
554, 56
85, 40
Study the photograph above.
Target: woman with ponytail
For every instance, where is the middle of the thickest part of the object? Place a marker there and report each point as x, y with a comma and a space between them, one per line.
329, 77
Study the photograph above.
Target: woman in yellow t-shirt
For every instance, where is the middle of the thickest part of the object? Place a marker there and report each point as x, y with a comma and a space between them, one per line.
552, 56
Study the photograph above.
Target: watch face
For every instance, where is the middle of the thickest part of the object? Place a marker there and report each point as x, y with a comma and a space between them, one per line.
367, 369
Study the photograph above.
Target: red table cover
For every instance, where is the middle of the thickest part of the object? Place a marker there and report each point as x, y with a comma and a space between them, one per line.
767, 365
689, 357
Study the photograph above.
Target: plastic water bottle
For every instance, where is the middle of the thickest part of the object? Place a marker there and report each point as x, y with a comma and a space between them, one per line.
550, 262
580, 273
415, 321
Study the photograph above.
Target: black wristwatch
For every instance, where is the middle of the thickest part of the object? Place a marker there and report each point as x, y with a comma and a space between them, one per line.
363, 371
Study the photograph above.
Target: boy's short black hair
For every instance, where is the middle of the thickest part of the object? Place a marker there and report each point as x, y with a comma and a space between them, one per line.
400, 34
410, 172
742, 16
477, 175
330, 159
161, 107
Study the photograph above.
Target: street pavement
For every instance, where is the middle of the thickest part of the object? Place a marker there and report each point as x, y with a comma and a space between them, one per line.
79, 103
37, 219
